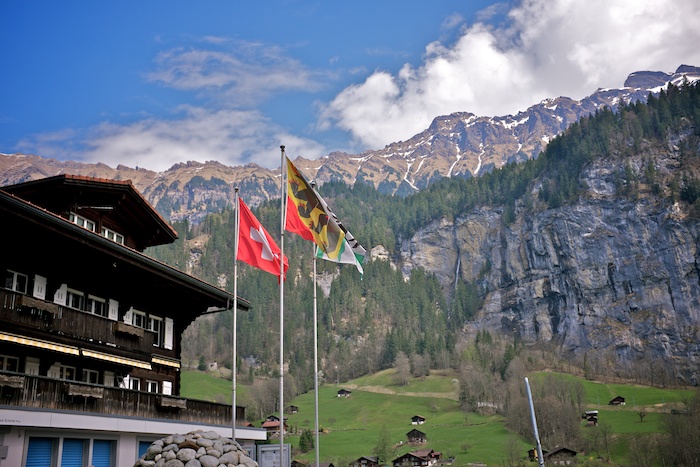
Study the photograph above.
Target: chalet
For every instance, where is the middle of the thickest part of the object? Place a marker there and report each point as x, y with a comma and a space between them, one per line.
292, 409
365, 461
273, 428
421, 458
416, 437
90, 327
417, 420
344, 393
560, 456
591, 416
617, 401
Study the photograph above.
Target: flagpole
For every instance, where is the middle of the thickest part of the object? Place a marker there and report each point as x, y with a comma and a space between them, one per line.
316, 361
282, 213
236, 228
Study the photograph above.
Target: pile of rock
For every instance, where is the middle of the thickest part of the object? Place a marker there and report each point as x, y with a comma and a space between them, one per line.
195, 449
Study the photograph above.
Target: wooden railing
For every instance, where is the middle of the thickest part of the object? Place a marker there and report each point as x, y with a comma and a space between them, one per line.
24, 312
40, 392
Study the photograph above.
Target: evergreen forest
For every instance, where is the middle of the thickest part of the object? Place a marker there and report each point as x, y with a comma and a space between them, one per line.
369, 323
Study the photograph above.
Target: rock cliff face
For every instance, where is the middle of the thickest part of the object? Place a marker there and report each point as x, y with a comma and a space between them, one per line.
609, 272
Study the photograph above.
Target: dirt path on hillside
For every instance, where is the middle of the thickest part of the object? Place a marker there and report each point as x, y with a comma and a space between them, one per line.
383, 390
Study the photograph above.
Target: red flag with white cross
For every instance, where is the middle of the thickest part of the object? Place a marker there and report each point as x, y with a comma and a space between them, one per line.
255, 245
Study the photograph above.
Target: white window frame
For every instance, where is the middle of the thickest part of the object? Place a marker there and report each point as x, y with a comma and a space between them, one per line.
63, 372
112, 235
134, 383
151, 386
91, 376
155, 325
96, 305
4, 363
77, 294
15, 286
83, 222
138, 319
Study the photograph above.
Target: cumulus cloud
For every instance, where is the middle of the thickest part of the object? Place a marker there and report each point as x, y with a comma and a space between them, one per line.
232, 137
544, 48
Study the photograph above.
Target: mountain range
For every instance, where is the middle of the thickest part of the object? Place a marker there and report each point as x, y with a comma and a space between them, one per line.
457, 145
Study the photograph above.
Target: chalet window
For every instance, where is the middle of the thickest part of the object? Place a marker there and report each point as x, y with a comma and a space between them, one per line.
167, 388
75, 299
112, 235
152, 386
155, 324
8, 363
91, 376
82, 222
138, 318
62, 372
96, 305
135, 384
16, 281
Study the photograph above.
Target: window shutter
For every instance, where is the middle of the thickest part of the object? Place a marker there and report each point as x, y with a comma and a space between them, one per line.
39, 452
113, 310
102, 453
167, 388
60, 296
128, 316
168, 340
72, 455
39, 287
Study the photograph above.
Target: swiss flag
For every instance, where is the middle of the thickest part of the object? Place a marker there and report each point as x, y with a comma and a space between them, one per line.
255, 246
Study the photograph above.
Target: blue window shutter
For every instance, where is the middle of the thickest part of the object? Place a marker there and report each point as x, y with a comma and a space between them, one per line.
102, 453
143, 447
39, 452
73, 450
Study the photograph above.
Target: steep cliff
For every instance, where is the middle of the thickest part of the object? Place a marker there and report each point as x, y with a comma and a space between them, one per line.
616, 269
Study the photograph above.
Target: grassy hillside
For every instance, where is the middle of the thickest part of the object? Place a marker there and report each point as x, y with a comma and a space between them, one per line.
351, 426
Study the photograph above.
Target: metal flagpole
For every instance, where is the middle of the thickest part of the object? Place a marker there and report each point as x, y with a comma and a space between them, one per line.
316, 362
282, 214
237, 226
540, 457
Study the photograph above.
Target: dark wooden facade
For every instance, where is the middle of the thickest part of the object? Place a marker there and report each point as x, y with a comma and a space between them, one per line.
84, 312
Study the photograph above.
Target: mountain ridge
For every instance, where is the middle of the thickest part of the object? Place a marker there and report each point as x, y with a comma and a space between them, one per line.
461, 144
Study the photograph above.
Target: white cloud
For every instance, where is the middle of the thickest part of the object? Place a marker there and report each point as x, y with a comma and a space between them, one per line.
242, 73
232, 137
546, 48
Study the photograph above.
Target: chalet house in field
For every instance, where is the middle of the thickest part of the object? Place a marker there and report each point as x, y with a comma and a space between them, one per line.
273, 428
416, 437
560, 456
292, 409
344, 393
417, 420
421, 458
619, 400
90, 327
365, 461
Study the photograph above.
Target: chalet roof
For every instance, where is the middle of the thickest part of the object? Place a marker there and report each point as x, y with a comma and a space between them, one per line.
115, 202
559, 451
418, 416
415, 432
144, 283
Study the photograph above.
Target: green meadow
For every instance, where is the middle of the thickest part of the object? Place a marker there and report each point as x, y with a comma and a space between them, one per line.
351, 426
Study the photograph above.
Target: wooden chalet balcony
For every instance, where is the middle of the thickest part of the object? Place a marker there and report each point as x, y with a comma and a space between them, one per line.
23, 313
40, 392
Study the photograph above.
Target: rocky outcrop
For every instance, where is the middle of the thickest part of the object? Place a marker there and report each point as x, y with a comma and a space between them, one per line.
608, 272
195, 449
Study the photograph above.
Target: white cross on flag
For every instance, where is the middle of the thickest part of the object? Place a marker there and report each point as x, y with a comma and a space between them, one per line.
255, 246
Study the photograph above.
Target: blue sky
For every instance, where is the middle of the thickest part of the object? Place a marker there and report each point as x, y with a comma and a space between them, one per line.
155, 83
